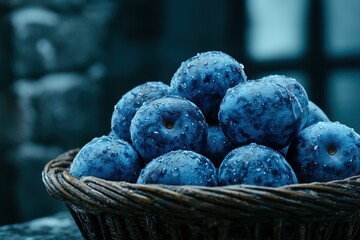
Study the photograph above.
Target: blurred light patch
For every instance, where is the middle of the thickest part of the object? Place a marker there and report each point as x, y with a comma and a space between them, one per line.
342, 31
276, 28
343, 97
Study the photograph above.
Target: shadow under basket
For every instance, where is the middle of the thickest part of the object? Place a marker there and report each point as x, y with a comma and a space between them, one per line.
120, 210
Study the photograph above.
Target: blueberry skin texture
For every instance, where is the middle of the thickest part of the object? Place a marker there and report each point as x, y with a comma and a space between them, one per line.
179, 167
324, 152
217, 145
130, 102
107, 158
296, 88
256, 165
260, 112
316, 114
166, 124
204, 79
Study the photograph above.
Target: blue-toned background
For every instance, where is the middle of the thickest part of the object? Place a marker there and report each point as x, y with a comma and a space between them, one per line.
64, 65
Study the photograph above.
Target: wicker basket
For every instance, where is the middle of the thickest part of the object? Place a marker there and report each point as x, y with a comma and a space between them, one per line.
119, 210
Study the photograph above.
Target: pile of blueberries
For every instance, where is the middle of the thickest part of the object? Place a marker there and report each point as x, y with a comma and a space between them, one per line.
214, 127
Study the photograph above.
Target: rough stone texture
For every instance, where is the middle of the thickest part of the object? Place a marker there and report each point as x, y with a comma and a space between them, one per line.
52, 74
61, 108
47, 41
60, 226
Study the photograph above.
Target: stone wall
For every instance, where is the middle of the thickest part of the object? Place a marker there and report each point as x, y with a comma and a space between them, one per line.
65, 64
52, 71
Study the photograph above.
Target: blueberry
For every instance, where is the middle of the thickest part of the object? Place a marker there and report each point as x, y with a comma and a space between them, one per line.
261, 112
296, 88
204, 79
107, 158
166, 124
256, 165
132, 100
316, 114
180, 167
217, 145
325, 151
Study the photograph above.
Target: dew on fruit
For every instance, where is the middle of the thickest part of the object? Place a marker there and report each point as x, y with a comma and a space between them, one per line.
163, 171
252, 145
175, 172
113, 154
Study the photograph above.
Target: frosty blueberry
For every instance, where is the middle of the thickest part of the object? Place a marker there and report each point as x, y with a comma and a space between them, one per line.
126, 107
316, 114
166, 124
204, 79
107, 158
180, 167
261, 112
217, 145
296, 88
325, 151
256, 165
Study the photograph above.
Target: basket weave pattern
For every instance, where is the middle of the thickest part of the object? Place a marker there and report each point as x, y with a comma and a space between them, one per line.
120, 210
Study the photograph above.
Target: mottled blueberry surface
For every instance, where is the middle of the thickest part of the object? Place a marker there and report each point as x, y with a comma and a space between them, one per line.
180, 167
167, 124
204, 79
256, 165
261, 112
217, 145
296, 88
107, 158
316, 114
130, 102
325, 151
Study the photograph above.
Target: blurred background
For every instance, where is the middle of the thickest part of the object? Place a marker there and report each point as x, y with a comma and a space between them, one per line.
65, 64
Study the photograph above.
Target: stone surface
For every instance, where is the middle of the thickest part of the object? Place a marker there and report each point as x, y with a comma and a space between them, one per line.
60, 226
51, 95
62, 108
46, 41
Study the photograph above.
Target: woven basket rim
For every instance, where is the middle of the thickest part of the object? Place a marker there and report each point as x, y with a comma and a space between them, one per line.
91, 194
